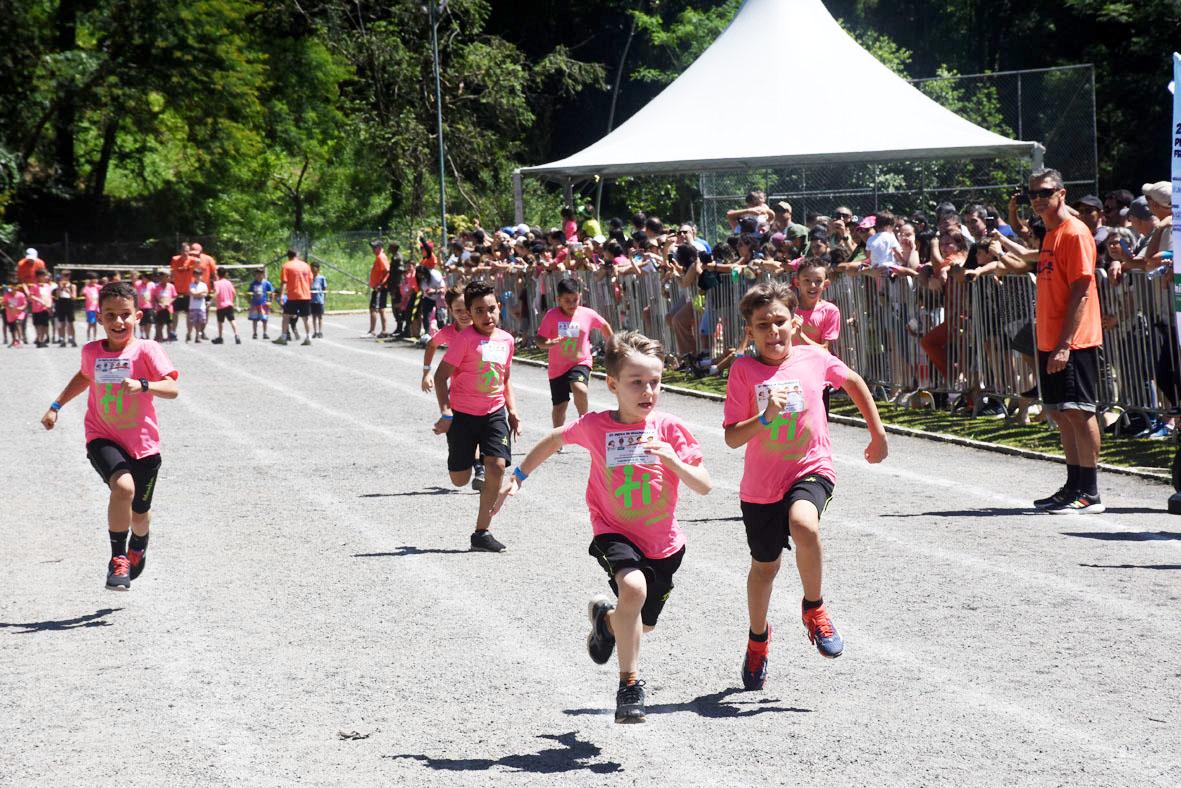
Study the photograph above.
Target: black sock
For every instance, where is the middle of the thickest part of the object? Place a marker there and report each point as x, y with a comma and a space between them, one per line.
138, 542
760, 638
118, 543
810, 605
1088, 480
1072, 477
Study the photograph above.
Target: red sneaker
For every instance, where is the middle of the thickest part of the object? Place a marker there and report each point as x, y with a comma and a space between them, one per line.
822, 633
137, 560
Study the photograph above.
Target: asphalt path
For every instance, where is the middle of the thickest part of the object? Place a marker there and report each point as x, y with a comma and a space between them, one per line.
310, 612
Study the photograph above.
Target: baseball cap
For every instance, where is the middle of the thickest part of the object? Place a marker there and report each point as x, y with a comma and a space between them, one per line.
797, 231
777, 239
1159, 192
31, 253
522, 229
1090, 200
783, 205
1138, 209
868, 222
600, 239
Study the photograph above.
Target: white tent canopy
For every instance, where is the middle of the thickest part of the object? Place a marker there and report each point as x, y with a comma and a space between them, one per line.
758, 67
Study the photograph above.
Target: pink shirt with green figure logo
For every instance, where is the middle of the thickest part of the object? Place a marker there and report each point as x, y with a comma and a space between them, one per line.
481, 366
127, 419
629, 491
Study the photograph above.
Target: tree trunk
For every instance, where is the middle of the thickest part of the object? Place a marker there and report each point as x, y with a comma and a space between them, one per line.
98, 176
66, 29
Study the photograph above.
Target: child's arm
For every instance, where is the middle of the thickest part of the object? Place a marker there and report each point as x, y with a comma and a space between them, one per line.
858, 392
164, 389
427, 358
545, 449
738, 433
510, 403
695, 477
76, 386
443, 395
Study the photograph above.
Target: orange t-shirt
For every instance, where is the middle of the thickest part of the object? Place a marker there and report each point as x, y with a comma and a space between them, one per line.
26, 270
380, 270
1067, 255
182, 272
297, 280
208, 266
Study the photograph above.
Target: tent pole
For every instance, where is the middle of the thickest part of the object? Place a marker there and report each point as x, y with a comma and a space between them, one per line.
518, 198
1038, 156
568, 192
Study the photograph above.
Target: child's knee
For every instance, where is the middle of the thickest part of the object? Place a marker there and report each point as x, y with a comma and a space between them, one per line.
494, 467
648, 628
123, 486
765, 570
805, 530
460, 478
632, 585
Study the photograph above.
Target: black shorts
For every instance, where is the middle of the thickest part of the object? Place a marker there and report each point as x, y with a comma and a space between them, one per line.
163, 317
149, 317
64, 311
489, 432
1074, 388
225, 313
559, 387
41, 318
181, 304
615, 552
301, 308
107, 457
766, 524
377, 299
317, 309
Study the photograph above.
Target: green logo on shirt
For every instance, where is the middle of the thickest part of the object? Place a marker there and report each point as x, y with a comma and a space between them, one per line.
790, 425
113, 395
629, 487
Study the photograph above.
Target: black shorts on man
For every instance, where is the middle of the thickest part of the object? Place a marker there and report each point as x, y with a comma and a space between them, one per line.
559, 387
108, 457
767, 531
490, 433
377, 299
1074, 388
615, 552
301, 308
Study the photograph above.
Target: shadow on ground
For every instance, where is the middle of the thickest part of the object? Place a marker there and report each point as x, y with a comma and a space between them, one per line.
406, 549
737, 519
425, 491
716, 705
95, 619
573, 755
1125, 536
1132, 566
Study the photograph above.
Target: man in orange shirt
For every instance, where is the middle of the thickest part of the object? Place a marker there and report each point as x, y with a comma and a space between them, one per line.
379, 274
181, 266
1069, 337
296, 279
28, 267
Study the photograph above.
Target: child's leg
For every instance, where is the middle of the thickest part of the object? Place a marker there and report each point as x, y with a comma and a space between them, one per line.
122, 486
804, 522
624, 621
581, 396
493, 474
558, 415
759, 582
220, 321
233, 327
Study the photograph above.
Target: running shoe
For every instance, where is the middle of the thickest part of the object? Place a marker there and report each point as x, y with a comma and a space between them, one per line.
279, 341
485, 542
306, 341
137, 559
600, 642
478, 476
822, 633
237, 340
217, 341
754, 663
1057, 499
118, 578
1078, 503
629, 704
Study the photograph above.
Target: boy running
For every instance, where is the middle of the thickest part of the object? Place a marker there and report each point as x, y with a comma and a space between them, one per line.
223, 296
260, 303
477, 407
639, 456
123, 375
565, 333
460, 319
774, 407
319, 289
819, 321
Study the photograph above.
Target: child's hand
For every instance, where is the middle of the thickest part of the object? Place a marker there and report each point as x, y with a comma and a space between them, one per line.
132, 386
514, 424
428, 382
661, 449
877, 450
509, 487
442, 425
49, 419
775, 403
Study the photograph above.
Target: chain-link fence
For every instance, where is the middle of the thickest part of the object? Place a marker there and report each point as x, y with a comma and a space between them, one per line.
1053, 106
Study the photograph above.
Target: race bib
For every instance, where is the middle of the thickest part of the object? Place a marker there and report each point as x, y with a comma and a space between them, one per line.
494, 352
111, 370
627, 448
795, 395
568, 330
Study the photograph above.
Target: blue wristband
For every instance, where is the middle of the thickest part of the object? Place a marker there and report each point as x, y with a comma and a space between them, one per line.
446, 418
520, 475
55, 406
764, 420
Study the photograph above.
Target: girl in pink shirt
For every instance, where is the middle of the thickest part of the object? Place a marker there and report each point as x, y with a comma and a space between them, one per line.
122, 375
15, 303
460, 320
639, 457
775, 407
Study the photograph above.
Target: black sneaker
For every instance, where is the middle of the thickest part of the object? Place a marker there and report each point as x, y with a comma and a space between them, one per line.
1057, 499
478, 477
600, 642
629, 704
1079, 503
217, 341
118, 577
137, 559
237, 340
485, 542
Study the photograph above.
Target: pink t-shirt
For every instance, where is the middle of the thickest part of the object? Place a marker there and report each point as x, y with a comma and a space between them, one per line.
570, 230
14, 306
145, 291
796, 443
629, 491
481, 370
39, 295
223, 293
162, 292
445, 335
90, 296
574, 349
126, 419
822, 323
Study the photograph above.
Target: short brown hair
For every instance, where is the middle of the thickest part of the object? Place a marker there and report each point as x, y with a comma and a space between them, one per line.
453, 292
766, 293
621, 345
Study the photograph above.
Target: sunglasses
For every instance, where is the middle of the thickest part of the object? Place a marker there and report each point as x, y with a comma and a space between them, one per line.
1043, 194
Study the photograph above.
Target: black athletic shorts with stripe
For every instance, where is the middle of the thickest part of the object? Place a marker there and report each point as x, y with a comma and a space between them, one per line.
615, 552
767, 531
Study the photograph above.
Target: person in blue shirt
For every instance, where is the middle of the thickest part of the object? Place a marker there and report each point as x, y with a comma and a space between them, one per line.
260, 302
319, 289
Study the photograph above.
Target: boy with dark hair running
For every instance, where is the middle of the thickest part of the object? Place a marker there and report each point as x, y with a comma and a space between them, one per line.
565, 333
774, 406
639, 456
477, 406
123, 375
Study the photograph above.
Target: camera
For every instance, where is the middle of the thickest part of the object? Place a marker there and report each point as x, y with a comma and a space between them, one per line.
1022, 196
990, 222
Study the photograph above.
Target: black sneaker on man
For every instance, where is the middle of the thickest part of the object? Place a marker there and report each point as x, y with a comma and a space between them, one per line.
1079, 503
600, 642
629, 703
1057, 499
485, 542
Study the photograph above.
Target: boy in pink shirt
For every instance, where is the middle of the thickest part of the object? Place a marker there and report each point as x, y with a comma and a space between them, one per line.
820, 321
639, 456
460, 319
774, 406
90, 305
223, 298
565, 332
164, 302
145, 291
477, 406
15, 303
41, 301
123, 375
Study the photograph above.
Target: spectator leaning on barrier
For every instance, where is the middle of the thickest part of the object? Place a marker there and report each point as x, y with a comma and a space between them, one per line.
1115, 208
1159, 196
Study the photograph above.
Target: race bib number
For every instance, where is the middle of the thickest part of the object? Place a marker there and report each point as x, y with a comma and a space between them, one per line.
627, 448
494, 352
568, 330
795, 395
111, 370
